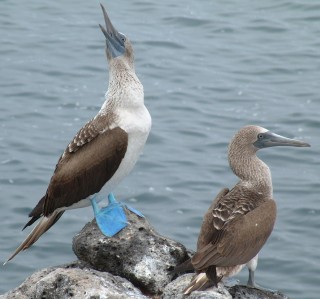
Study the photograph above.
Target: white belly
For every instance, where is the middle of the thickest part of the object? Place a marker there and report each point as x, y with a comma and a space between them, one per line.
135, 146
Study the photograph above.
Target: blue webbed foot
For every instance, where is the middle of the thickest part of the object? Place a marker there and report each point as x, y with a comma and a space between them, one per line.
110, 219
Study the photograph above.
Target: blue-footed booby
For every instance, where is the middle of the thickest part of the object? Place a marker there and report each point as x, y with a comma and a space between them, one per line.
239, 221
103, 152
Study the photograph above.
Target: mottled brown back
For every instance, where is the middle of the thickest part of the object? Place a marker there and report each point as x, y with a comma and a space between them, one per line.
235, 228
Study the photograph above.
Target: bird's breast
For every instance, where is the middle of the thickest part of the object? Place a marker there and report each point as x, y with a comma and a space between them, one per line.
136, 121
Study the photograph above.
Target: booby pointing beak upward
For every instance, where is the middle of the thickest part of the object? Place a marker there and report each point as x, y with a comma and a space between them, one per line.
269, 139
115, 40
102, 153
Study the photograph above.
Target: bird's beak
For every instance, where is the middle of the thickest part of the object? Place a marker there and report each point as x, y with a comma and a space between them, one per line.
114, 39
271, 139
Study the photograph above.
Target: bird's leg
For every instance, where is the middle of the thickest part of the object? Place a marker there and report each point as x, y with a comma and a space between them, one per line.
110, 219
252, 284
111, 199
252, 266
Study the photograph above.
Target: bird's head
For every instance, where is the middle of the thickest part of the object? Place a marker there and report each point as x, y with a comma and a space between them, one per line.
264, 138
244, 145
252, 138
118, 46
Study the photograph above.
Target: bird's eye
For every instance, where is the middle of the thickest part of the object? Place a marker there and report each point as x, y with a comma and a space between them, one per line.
260, 136
123, 38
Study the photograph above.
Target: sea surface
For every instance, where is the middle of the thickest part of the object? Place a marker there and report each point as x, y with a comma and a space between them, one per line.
208, 68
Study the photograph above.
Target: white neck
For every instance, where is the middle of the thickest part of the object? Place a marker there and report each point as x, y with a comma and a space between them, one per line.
125, 89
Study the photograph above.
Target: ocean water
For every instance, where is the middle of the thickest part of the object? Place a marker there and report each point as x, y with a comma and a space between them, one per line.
208, 68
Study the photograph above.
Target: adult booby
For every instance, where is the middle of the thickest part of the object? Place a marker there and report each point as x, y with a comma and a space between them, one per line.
240, 220
104, 150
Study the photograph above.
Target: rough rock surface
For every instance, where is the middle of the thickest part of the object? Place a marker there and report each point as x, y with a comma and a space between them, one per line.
74, 280
241, 292
137, 253
174, 290
137, 263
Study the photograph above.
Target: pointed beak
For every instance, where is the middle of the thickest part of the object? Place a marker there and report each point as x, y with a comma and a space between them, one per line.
271, 139
114, 39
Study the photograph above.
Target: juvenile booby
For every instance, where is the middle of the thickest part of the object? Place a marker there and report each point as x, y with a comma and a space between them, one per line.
104, 150
239, 221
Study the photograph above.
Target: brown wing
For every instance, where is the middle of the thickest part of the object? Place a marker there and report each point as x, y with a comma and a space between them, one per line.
89, 131
72, 180
205, 235
208, 231
239, 230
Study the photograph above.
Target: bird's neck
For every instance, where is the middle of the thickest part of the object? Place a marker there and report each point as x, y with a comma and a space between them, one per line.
252, 171
125, 89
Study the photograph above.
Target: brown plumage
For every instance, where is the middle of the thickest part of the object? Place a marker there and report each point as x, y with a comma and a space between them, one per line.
250, 218
65, 189
239, 221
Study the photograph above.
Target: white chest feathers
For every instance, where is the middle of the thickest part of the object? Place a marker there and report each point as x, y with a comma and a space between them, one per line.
125, 102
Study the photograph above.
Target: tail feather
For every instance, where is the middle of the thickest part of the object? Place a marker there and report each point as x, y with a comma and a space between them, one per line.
203, 280
31, 221
37, 212
44, 224
200, 282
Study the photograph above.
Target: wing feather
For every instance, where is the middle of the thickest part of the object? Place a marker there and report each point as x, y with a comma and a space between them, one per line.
72, 178
234, 229
88, 132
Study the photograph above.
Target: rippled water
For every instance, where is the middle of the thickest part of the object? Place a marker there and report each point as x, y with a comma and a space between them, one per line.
208, 68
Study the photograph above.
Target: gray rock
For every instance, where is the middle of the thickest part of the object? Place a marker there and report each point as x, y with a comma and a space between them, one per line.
137, 253
143, 259
174, 290
244, 292
74, 280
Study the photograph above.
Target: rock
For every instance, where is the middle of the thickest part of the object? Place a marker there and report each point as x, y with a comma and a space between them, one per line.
241, 292
137, 253
137, 263
174, 290
74, 280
